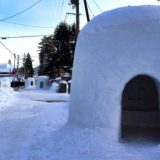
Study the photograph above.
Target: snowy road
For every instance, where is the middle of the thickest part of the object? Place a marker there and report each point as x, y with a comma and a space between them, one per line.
24, 122
33, 129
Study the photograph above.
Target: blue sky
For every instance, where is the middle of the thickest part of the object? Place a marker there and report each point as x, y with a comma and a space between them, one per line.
45, 13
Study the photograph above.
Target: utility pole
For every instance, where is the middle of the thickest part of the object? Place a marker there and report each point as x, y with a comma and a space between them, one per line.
17, 66
77, 18
24, 65
86, 9
14, 70
75, 3
14, 61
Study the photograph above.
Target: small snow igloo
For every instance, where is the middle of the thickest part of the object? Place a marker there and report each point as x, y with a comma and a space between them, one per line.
116, 73
42, 82
30, 82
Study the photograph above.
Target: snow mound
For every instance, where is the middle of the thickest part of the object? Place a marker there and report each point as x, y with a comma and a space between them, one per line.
54, 87
7, 96
6, 92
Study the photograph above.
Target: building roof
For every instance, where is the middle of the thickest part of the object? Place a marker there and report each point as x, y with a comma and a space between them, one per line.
5, 68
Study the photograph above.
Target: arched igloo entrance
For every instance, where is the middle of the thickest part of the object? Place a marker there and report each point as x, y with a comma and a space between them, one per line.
32, 83
140, 109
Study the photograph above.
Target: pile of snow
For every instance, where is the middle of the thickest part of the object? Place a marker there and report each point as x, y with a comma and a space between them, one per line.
54, 87
5, 82
6, 92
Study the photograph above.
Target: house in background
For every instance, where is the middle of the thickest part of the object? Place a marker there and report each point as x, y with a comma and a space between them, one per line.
6, 70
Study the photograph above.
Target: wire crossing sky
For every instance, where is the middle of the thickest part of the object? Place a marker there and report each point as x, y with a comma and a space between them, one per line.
25, 10
40, 17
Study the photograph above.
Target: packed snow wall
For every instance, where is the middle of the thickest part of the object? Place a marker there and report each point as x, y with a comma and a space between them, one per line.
112, 49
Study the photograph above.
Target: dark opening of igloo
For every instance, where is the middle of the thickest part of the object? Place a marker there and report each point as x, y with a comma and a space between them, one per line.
41, 85
31, 83
140, 117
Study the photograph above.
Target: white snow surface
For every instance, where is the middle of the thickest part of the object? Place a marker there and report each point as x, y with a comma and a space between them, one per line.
32, 129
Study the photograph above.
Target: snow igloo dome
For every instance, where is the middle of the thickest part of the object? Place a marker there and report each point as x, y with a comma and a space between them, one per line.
42, 82
30, 82
116, 72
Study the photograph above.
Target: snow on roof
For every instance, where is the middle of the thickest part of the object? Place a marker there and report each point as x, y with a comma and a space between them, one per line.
63, 82
4, 67
42, 77
30, 78
58, 78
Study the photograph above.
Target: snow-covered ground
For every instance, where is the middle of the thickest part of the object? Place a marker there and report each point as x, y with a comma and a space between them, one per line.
33, 127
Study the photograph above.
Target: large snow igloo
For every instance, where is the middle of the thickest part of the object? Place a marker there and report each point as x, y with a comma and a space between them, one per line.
116, 73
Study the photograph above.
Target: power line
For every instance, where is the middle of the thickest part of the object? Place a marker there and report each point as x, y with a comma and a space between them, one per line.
58, 11
61, 8
54, 13
97, 5
30, 36
21, 11
7, 48
27, 25
90, 10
